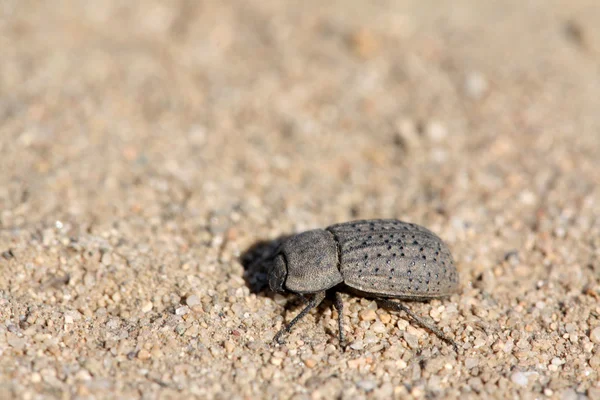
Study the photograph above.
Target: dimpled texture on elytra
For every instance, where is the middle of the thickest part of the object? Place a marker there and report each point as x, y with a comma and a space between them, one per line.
392, 258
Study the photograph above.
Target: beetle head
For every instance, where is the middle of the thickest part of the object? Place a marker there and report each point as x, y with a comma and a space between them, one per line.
277, 274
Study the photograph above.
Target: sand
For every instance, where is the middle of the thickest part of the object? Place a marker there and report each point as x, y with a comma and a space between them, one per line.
150, 151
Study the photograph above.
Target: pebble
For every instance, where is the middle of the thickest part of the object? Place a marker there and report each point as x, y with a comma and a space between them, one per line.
83, 375
367, 385
357, 345
143, 354
182, 310
367, 315
229, 346
476, 85
411, 340
192, 301
402, 324
519, 378
436, 131
471, 362
16, 342
355, 363
276, 361
147, 306
385, 318
595, 361
378, 327
407, 136
595, 335
106, 259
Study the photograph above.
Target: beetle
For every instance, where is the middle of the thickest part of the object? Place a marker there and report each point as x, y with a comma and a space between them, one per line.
380, 258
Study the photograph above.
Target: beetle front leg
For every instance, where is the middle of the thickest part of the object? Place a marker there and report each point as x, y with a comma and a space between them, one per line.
312, 303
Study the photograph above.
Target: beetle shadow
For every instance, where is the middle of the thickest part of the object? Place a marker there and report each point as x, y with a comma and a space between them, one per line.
256, 261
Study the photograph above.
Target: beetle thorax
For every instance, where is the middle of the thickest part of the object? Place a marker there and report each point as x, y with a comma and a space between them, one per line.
311, 262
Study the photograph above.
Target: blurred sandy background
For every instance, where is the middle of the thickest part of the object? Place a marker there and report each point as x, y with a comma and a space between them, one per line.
146, 146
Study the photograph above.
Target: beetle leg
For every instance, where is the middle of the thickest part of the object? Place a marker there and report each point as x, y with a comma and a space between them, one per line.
425, 324
312, 303
339, 306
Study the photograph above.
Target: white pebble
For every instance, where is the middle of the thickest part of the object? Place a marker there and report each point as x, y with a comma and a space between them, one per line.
595, 335
378, 327
519, 378
476, 85
471, 362
147, 306
192, 301
367, 385
357, 345
182, 310
436, 131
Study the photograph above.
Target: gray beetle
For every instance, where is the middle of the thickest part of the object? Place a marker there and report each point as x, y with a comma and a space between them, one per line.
381, 258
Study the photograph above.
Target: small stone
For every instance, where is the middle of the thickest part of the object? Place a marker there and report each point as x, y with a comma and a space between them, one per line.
367, 385
83, 375
385, 318
479, 342
16, 342
229, 346
357, 345
402, 324
193, 331
182, 310
147, 306
471, 362
106, 259
180, 329
192, 300
355, 363
407, 136
276, 361
595, 361
310, 363
280, 299
378, 327
436, 131
519, 378
367, 315
557, 361
595, 335
476, 85
411, 340
144, 354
